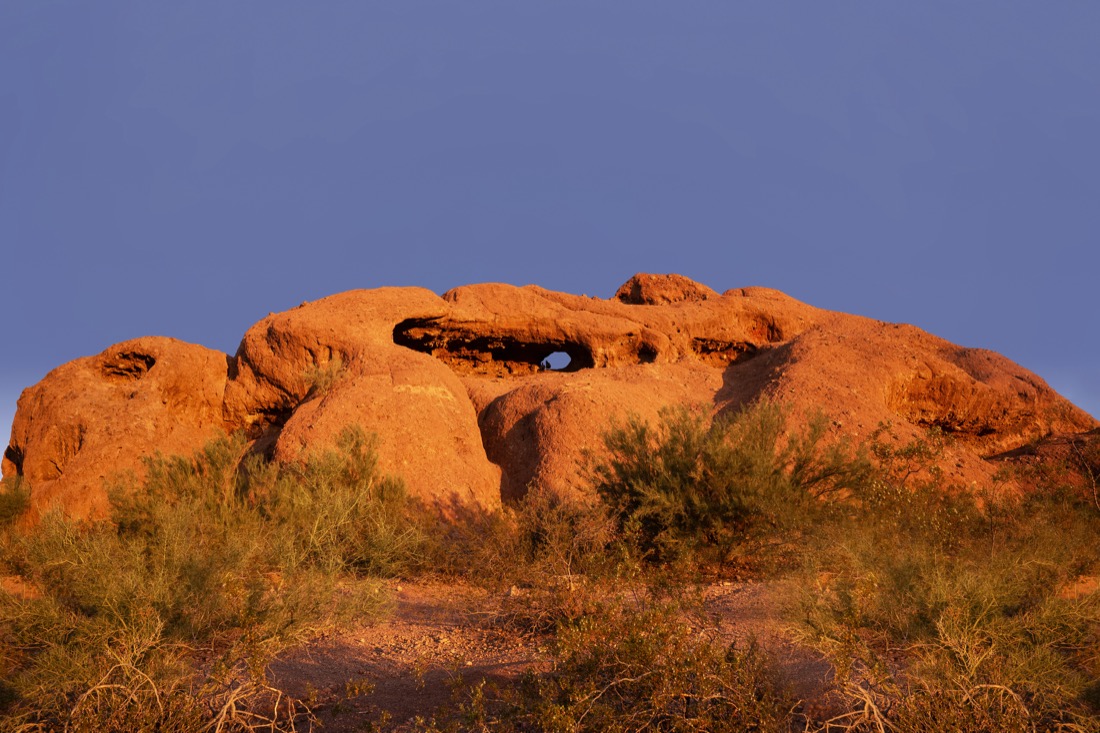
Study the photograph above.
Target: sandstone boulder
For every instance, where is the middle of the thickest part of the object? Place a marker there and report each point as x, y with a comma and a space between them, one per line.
303, 376
541, 432
491, 389
93, 418
645, 289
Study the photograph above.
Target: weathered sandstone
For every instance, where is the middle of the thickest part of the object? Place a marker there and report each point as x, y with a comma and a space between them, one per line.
91, 418
458, 390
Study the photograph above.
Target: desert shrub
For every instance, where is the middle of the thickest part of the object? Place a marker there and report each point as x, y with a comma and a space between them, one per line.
109, 637
941, 614
921, 706
560, 539
335, 511
625, 668
14, 499
633, 663
1084, 460
546, 558
700, 487
911, 463
169, 613
1089, 456
321, 378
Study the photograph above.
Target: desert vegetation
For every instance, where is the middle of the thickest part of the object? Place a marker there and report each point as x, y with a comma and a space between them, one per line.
164, 617
940, 608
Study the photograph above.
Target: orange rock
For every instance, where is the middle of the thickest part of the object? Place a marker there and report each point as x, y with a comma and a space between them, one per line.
645, 289
540, 432
96, 417
303, 376
460, 390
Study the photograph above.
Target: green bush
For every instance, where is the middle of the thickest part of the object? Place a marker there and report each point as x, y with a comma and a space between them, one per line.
627, 668
633, 663
15, 498
941, 614
321, 378
203, 562
547, 557
697, 487
335, 511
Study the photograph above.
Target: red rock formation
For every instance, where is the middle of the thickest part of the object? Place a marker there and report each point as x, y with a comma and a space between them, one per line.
458, 390
646, 289
304, 375
91, 418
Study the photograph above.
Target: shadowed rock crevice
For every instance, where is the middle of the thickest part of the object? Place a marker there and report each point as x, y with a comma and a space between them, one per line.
958, 406
748, 379
516, 452
13, 457
266, 428
497, 355
716, 352
127, 366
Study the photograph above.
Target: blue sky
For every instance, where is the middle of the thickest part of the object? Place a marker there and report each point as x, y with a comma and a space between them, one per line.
185, 168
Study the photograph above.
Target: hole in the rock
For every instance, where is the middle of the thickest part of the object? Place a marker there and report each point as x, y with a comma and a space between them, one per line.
493, 354
15, 455
272, 418
722, 353
127, 365
556, 362
646, 354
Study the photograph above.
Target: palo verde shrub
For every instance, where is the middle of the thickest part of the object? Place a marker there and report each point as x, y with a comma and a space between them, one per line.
14, 500
940, 614
636, 669
700, 487
633, 664
166, 616
547, 557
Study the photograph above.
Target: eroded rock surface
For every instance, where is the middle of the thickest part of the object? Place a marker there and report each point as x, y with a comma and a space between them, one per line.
94, 417
490, 389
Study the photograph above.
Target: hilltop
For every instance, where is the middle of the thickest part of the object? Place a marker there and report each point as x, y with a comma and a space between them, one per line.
489, 390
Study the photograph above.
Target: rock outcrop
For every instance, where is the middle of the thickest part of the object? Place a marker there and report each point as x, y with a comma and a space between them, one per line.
469, 410
94, 417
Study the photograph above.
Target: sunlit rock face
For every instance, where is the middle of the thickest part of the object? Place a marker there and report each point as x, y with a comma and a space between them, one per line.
92, 418
482, 393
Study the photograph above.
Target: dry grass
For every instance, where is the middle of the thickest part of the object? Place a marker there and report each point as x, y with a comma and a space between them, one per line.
937, 613
165, 617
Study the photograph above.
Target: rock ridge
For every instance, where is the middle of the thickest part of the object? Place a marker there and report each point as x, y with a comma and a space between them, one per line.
483, 392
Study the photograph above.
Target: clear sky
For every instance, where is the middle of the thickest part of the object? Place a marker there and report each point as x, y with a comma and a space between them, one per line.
184, 168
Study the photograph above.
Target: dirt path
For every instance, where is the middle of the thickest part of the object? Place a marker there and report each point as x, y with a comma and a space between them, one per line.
436, 634
440, 632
